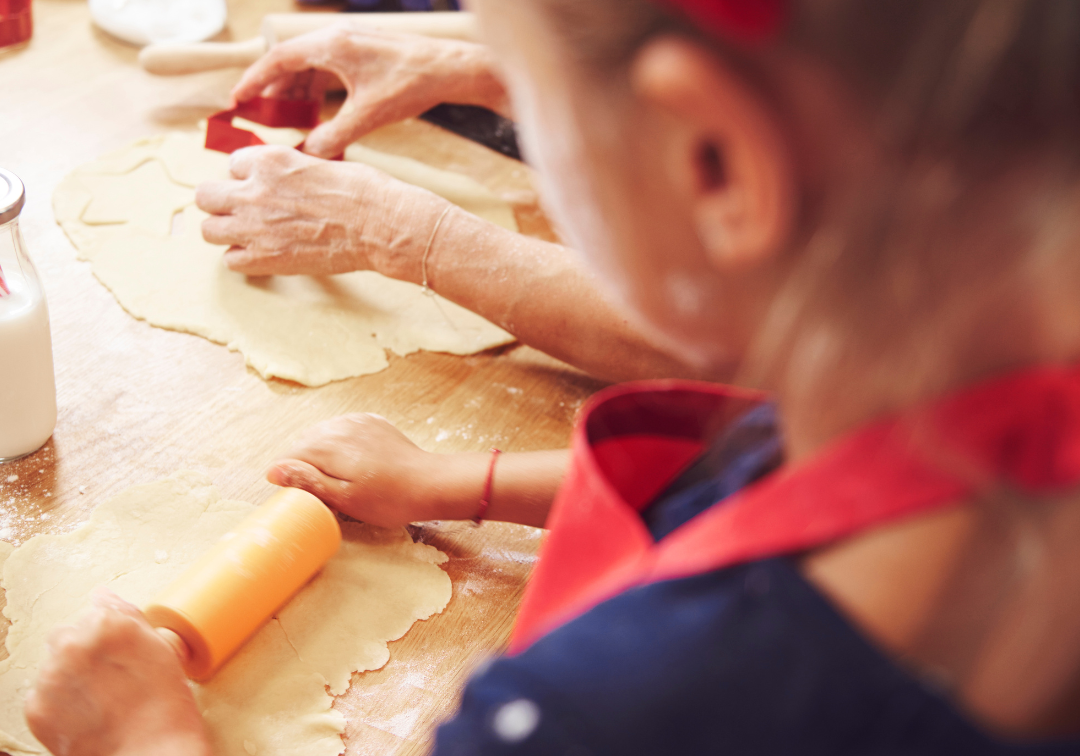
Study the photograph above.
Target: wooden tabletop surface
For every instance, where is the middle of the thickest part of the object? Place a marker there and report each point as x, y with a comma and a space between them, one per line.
138, 403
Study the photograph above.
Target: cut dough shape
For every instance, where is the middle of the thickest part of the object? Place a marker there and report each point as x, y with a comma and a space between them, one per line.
312, 331
145, 198
271, 697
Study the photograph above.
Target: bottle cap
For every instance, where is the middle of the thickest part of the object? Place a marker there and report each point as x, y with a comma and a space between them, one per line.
12, 196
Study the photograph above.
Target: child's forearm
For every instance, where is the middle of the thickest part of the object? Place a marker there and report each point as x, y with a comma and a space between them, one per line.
523, 485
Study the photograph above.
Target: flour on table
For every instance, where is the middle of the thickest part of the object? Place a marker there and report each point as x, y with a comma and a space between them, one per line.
119, 212
271, 698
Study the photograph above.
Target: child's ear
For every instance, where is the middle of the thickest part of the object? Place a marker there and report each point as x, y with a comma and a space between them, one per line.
731, 159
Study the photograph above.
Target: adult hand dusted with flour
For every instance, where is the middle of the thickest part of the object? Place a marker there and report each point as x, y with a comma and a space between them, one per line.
388, 77
113, 687
286, 213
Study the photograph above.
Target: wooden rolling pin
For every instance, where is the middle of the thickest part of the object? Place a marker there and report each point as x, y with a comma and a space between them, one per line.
231, 591
185, 58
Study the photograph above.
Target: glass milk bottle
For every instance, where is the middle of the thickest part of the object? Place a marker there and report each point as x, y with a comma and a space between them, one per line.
27, 385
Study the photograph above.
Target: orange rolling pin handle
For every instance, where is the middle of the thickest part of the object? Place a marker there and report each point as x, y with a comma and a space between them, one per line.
231, 591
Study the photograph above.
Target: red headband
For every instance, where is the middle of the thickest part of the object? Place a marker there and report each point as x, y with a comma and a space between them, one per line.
740, 21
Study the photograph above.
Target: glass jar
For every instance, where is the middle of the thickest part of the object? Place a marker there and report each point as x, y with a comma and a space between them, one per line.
16, 24
27, 384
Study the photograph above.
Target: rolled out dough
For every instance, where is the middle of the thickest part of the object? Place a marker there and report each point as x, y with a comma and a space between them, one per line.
271, 698
119, 213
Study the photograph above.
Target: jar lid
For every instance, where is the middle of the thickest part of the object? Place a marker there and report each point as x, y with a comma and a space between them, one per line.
12, 196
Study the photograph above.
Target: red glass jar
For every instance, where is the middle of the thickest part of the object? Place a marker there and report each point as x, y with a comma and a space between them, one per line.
16, 25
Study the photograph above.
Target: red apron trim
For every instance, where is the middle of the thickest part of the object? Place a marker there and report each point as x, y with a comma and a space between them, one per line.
652, 429
222, 136
668, 408
1022, 430
618, 460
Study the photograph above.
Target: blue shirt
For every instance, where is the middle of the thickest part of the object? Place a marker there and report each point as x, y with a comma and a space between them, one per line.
744, 660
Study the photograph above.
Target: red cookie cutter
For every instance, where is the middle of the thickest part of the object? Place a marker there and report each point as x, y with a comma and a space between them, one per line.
222, 136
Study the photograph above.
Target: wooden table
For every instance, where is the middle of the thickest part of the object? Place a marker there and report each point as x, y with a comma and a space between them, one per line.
138, 403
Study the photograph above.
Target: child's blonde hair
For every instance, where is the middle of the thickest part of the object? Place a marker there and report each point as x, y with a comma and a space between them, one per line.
966, 225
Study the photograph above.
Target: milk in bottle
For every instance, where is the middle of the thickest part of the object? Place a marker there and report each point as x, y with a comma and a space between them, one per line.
27, 386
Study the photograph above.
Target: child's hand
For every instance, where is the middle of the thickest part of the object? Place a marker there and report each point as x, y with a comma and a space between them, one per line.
363, 466
112, 686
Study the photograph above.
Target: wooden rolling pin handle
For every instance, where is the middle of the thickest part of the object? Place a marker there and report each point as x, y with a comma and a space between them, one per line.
176, 59
278, 27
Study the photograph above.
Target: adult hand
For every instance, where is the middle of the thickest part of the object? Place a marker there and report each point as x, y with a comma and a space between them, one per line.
112, 686
388, 77
286, 213
363, 466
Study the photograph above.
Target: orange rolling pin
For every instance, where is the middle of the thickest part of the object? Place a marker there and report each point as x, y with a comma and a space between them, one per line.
231, 591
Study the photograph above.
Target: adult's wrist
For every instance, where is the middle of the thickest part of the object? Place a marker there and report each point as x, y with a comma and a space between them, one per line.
431, 224
392, 236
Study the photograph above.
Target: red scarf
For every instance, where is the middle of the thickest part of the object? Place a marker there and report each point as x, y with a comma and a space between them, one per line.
1020, 431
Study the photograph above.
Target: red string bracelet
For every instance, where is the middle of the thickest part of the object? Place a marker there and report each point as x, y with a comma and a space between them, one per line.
485, 500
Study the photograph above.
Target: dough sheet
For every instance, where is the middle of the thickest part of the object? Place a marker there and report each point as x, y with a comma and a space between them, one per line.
274, 697
131, 214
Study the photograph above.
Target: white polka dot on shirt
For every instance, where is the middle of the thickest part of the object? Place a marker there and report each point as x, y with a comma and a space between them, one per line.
517, 720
